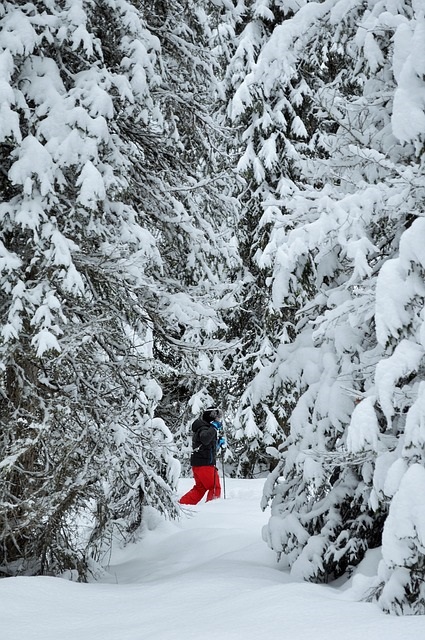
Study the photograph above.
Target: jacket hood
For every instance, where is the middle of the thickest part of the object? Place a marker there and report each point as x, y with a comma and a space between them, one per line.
199, 423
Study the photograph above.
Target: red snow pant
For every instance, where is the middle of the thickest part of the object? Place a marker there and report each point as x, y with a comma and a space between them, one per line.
206, 479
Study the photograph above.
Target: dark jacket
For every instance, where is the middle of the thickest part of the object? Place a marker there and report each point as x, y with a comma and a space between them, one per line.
204, 444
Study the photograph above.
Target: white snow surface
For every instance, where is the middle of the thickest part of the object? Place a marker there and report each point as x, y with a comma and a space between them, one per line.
208, 576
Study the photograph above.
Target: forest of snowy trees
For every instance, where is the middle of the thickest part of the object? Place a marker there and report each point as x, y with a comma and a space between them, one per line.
214, 201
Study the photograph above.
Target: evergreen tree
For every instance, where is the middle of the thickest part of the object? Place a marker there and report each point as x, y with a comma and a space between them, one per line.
266, 141
201, 244
343, 205
108, 260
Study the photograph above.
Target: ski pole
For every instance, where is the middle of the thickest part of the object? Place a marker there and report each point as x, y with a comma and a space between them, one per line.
224, 477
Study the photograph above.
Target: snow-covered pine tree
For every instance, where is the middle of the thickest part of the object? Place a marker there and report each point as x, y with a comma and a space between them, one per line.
267, 136
204, 239
399, 377
347, 196
107, 248
321, 516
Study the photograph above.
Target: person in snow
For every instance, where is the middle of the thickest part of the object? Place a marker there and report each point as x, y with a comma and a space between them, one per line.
207, 439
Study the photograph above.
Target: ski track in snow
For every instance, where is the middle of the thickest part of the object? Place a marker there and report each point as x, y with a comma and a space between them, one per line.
208, 576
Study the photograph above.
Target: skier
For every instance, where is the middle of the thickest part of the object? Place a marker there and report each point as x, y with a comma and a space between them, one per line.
206, 440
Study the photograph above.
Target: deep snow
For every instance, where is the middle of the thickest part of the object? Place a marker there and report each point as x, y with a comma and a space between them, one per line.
208, 576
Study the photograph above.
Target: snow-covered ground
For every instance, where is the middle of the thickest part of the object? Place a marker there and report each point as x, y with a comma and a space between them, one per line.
208, 576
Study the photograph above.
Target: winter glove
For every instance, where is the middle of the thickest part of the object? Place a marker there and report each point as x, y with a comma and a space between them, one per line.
217, 424
221, 443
